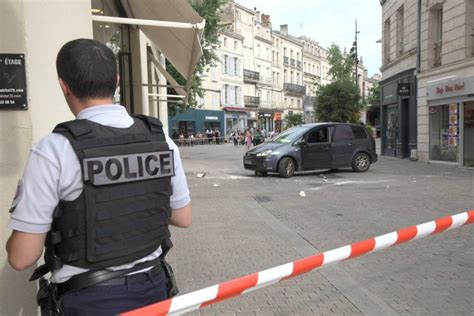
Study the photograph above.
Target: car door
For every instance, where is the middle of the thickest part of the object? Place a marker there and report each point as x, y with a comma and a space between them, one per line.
316, 149
343, 146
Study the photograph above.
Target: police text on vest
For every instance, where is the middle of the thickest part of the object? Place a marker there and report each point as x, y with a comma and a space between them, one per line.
128, 168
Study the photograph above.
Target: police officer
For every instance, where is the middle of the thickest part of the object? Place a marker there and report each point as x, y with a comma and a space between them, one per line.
98, 194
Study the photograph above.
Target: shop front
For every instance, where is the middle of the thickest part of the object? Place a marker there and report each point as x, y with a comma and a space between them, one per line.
236, 119
451, 121
265, 120
193, 121
399, 115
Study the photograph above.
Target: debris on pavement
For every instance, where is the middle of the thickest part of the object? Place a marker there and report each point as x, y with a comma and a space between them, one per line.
200, 175
302, 194
216, 185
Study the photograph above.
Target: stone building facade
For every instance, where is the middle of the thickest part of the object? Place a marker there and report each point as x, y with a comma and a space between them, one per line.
427, 73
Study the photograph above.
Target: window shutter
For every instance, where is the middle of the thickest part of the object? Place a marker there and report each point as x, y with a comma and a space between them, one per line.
239, 66
223, 63
223, 94
239, 96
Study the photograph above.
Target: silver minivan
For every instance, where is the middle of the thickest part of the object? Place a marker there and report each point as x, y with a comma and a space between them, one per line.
312, 147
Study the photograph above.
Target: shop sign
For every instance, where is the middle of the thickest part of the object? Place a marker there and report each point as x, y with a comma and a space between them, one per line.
12, 82
389, 93
211, 118
404, 89
451, 88
264, 115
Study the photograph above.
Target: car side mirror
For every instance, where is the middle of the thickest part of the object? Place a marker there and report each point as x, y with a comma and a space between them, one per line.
300, 142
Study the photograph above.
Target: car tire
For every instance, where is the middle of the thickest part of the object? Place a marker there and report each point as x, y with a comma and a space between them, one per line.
260, 173
286, 167
361, 162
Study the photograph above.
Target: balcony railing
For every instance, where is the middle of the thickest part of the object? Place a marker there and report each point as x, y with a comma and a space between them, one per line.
298, 64
286, 60
250, 101
294, 89
307, 74
292, 61
251, 76
437, 51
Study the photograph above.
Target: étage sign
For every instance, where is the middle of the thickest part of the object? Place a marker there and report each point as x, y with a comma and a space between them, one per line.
12, 82
404, 89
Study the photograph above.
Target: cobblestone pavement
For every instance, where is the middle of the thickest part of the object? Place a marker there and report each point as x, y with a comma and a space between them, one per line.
244, 224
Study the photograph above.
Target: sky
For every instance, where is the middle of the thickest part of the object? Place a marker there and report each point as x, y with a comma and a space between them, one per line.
329, 21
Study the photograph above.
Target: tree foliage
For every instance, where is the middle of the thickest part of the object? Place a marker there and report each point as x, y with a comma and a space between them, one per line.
210, 11
293, 120
339, 101
374, 95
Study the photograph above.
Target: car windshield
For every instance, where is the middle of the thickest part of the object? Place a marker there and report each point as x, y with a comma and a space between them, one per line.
290, 135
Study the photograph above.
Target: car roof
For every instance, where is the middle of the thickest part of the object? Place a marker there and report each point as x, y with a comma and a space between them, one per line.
311, 125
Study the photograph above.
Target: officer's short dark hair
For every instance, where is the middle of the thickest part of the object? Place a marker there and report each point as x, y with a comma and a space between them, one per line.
88, 67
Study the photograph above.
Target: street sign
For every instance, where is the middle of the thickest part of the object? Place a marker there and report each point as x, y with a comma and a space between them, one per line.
13, 82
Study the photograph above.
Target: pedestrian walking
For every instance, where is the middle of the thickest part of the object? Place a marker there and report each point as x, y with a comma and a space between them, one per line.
248, 138
209, 134
98, 194
217, 134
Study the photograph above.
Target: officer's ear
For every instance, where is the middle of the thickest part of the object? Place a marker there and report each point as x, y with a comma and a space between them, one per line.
64, 87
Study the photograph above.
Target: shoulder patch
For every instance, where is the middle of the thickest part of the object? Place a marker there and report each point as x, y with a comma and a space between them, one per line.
18, 196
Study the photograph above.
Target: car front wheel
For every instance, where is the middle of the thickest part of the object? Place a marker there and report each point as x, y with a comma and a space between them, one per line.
286, 167
361, 162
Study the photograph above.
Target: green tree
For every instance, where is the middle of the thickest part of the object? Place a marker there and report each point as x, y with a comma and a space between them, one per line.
339, 101
210, 11
293, 120
374, 95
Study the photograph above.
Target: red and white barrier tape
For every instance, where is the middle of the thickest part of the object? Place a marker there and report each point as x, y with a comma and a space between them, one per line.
204, 297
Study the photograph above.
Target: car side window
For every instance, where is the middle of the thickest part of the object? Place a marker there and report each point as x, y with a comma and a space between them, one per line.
359, 132
343, 132
319, 135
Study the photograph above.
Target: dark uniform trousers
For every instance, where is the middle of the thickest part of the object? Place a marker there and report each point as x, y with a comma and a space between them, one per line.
107, 300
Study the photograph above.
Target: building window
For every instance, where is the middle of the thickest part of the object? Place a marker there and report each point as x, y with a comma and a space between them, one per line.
400, 30
236, 46
437, 35
386, 41
225, 42
444, 132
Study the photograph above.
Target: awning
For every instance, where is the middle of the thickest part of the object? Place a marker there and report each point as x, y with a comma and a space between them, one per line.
235, 109
172, 25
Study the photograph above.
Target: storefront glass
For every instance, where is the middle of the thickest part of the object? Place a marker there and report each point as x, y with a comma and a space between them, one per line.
234, 123
469, 134
187, 128
444, 132
392, 129
116, 37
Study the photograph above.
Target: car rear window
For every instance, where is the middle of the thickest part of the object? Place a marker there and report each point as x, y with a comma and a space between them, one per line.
343, 132
359, 132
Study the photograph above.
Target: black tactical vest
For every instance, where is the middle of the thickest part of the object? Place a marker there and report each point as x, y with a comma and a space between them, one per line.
123, 212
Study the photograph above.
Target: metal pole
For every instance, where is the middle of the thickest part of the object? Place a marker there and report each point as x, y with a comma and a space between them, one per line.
356, 59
